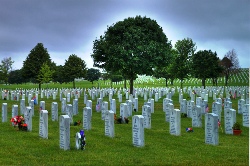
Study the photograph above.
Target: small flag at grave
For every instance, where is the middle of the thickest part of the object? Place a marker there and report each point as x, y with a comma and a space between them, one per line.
207, 108
189, 129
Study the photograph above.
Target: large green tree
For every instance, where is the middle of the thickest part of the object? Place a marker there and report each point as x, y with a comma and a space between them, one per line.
5, 68
93, 75
58, 75
185, 48
230, 64
34, 61
74, 67
15, 77
45, 74
132, 46
204, 64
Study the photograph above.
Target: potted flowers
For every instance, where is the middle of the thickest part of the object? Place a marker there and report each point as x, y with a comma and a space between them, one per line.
19, 122
236, 128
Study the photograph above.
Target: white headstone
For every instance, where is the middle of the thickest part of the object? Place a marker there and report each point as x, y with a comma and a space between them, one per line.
104, 109
229, 120
87, 118
63, 106
22, 106
89, 104
54, 111
4, 112
183, 106
109, 124
99, 105
75, 106
245, 115
113, 105
175, 122
14, 110
196, 116
146, 113
69, 112
28, 118
138, 131
129, 107
64, 136
123, 111
241, 103
211, 129
43, 124
169, 107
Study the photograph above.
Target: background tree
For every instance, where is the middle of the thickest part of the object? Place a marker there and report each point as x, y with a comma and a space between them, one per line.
58, 75
132, 46
34, 61
74, 67
230, 64
45, 74
15, 77
5, 68
184, 48
93, 75
203, 64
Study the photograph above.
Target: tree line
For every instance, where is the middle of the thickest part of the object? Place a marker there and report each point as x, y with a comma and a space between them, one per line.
134, 46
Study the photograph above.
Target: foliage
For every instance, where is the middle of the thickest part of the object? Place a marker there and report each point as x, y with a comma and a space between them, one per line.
45, 74
5, 68
58, 75
132, 46
236, 126
34, 61
15, 77
181, 66
93, 75
74, 67
230, 64
204, 64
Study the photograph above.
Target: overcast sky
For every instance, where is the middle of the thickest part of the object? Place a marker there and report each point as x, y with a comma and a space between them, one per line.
68, 27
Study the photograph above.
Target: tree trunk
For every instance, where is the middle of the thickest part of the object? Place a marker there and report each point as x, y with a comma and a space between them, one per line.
226, 79
172, 81
125, 83
74, 85
203, 82
166, 82
39, 86
181, 83
111, 84
131, 82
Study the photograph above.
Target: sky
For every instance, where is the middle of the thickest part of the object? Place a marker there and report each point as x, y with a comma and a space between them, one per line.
67, 27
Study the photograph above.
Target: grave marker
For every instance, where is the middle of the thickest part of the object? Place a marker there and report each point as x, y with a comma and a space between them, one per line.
64, 125
138, 131
211, 129
109, 124
43, 124
175, 122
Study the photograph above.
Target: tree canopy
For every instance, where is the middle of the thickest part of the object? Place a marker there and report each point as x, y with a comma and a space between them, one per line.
93, 75
5, 68
132, 46
45, 74
74, 67
34, 61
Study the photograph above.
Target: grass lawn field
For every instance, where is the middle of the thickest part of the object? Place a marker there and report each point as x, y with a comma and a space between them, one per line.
161, 148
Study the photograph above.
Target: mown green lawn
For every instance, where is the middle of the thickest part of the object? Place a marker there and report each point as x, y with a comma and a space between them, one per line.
161, 148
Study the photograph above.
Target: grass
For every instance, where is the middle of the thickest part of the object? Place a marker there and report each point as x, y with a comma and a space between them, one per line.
161, 148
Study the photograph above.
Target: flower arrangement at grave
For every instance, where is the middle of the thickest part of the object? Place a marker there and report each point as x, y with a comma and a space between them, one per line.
120, 120
219, 125
80, 140
77, 123
18, 121
236, 128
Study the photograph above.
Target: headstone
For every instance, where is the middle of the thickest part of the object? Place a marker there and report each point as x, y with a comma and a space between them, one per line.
54, 111
89, 104
196, 116
216, 109
229, 120
245, 115
123, 111
87, 118
138, 131
156, 97
129, 107
109, 124
99, 105
190, 105
175, 122
146, 113
241, 103
69, 112
42, 105
43, 125
183, 106
85, 98
120, 98
68, 97
104, 109
28, 118
22, 106
169, 108
63, 106
135, 104
152, 106
211, 129
113, 105
64, 124
4, 112
14, 110
31, 104
75, 106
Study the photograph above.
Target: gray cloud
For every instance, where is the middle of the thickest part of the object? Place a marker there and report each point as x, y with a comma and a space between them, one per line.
69, 27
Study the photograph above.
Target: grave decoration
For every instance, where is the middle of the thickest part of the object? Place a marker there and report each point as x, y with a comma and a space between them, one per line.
18, 121
120, 120
219, 125
80, 140
77, 123
236, 128
189, 129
